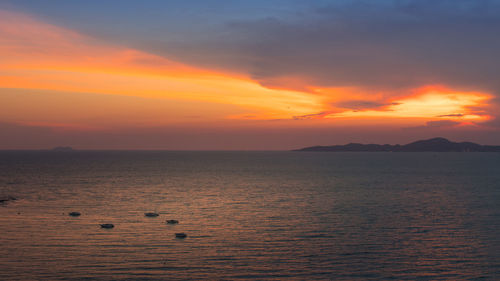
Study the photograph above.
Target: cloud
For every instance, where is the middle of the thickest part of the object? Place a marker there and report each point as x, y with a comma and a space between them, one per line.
451, 115
38, 55
438, 127
361, 105
310, 116
373, 44
441, 123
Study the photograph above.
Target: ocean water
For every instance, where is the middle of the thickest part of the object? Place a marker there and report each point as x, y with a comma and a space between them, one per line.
250, 215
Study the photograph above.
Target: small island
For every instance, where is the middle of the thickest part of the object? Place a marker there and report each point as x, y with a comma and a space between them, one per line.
63, 149
430, 145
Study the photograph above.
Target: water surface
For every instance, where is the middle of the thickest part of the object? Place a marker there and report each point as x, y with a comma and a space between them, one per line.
250, 215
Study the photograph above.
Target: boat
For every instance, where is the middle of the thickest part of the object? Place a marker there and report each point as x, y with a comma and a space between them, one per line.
107, 225
7, 199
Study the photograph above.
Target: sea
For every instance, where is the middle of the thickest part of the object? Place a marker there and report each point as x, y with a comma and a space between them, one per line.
249, 215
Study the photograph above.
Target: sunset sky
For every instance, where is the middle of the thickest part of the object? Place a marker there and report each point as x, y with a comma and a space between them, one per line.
249, 75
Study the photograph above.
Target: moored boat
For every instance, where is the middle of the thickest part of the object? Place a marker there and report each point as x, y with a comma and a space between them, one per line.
107, 225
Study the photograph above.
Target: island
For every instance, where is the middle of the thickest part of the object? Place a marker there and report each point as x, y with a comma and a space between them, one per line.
63, 149
430, 145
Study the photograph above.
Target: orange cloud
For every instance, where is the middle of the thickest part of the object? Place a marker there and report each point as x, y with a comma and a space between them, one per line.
43, 57
36, 55
431, 103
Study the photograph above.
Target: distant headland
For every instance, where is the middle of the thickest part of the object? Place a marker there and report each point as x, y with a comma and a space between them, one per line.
63, 148
430, 145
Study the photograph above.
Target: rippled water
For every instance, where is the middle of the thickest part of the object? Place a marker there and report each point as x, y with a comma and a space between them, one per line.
250, 215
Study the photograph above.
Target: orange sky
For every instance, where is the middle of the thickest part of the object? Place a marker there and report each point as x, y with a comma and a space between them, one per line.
54, 77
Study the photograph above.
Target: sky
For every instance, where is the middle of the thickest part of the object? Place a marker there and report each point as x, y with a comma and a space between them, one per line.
247, 75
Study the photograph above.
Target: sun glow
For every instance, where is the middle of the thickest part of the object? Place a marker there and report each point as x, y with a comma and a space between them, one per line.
432, 102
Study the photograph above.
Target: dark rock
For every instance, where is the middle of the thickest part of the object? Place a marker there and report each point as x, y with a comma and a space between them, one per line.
74, 214
172, 221
151, 215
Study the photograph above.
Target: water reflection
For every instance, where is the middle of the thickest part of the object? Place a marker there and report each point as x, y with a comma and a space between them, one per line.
250, 215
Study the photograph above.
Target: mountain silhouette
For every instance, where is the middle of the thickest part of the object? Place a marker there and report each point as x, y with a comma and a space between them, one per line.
430, 145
